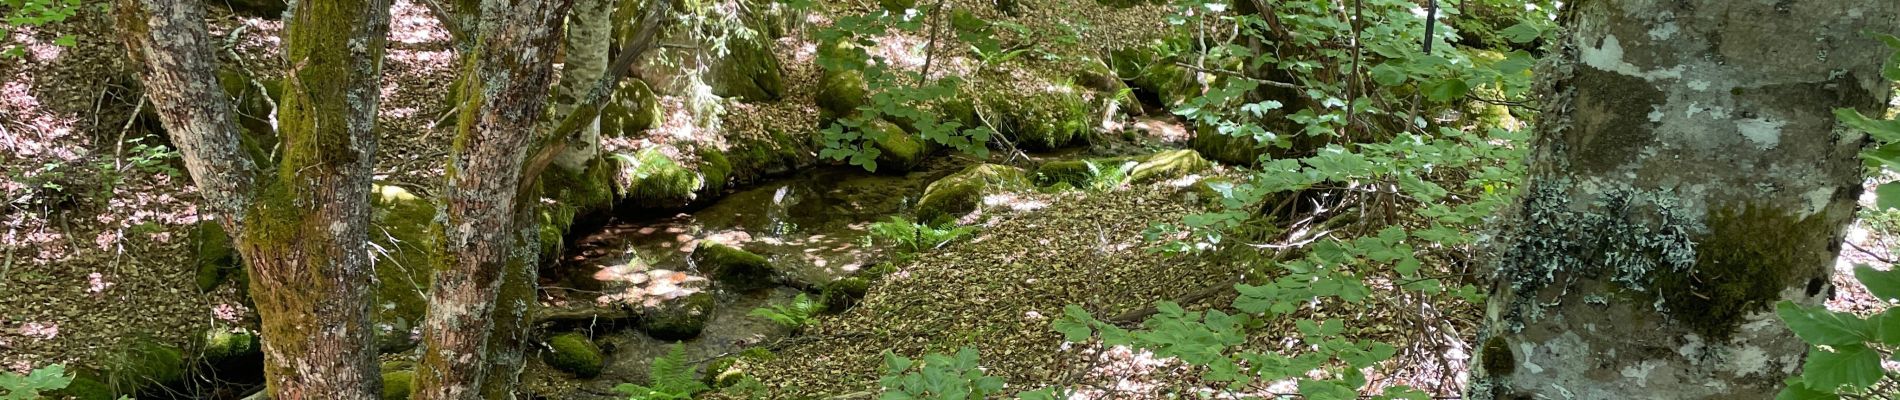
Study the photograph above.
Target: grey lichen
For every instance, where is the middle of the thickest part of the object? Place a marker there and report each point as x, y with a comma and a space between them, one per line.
1623, 235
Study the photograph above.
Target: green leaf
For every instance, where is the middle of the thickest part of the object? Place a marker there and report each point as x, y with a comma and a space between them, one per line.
1817, 325
1798, 390
1388, 75
1074, 324
1883, 284
1521, 33
1852, 367
1887, 196
1888, 323
1446, 89
1884, 131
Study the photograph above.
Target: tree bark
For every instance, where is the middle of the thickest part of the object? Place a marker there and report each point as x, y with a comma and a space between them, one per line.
1687, 174
303, 231
589, 39
507, 82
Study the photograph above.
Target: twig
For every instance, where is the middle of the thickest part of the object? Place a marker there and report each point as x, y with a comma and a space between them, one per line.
1238, 74
584, 112
458, 33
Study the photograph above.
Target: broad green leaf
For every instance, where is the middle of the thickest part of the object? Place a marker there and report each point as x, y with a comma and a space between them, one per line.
1074, 324
1852, 367
1446, 89
1888, 323
1883, 284
1817, 325
1521, 33
1887, 197
1798, 390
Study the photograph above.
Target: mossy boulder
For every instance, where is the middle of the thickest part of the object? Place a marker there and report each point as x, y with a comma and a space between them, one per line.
898, 150
749, 71
1226, 148
714, 169
780, 151
733, 266
84, 387
1044, 118
655, 180
840, 295
951, 198
840, 93
680, 319
399, 222
146, 366
633, 108
217, 261
1168, 165
574, 353
398, 385
1169, 84
226, 343
253, 99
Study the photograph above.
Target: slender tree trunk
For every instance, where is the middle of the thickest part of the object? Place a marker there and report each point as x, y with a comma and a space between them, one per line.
1688, 173
507, 82
302, 231
589, 40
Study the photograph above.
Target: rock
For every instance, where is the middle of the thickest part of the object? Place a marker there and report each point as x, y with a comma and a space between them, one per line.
217, 261
733, 267
680, 319
949, 199
840, 93
574, 353
225, 344
1168, 165
899, 151
749, 71
1226, 148
633, 108
654, 180
1044, 119
146, 367
715, 170
84, 388
840, 295
400, 222
398, 385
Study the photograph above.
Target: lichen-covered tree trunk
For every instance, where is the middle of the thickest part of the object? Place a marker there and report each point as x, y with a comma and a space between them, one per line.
1688, 173
589, 40
303, 231
507, 79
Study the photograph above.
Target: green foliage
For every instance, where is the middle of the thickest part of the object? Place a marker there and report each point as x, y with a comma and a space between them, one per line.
28, 387
915, 236
36, 13
936, 377
575, 353
905, 96
797, 315
672, 379
1846, 350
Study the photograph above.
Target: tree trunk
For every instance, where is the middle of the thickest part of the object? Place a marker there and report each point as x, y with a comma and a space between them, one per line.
303, 232
1688, 173
507, 82
589, 39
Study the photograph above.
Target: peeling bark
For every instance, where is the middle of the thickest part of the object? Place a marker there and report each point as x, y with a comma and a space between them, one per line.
1688, 173
589, 39
302, 232
507, 80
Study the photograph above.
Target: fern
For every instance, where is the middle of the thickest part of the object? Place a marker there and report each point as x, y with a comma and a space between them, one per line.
1104, 176
916, 237
795, 316
672, 379
28, 387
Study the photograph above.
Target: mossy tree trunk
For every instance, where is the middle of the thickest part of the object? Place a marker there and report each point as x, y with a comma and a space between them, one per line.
303, 230
589, 40
507, 79
1688, 173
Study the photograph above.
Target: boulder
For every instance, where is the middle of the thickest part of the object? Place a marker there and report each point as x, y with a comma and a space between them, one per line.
400, 225
680, 319
655, 180
749, 71
1039, 118
733, 267
574, 353
840, 295
398, 385
1169, 164
949, 199
632, 108
899, 150
840, 93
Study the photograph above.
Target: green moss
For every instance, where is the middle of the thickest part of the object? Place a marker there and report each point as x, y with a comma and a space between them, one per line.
633, 108
1226, 148
574, 353
218, 262
840, 295
223, 344
1169, 84
1498, 360
714, 168
146, 366
657, 181
400, 225
840, 93
1169, 165
733, 266
948, 199
1073, 172
1046, 119
680, 319
398, 385
1748, 257
84, 388
898, 150
749, 71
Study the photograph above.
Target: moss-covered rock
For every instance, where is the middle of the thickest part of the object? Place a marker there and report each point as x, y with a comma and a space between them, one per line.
84, 388
574, 353
954, 196
398, 385
146, 366
749, 71
898, 150
1226, 148
733, 266
632, 108
840, 295
399, 222
217, 261
227, 343
1043, 119
715, 169
654, 180
840, 93
1169, 165
679, 319
1169, 84
1075, 173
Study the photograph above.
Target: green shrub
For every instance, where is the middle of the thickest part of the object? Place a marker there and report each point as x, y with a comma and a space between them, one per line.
937, 377
795, 316
671, 376
914, 237
28, 387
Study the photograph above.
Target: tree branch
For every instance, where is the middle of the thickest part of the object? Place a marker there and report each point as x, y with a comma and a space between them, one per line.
588, 107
